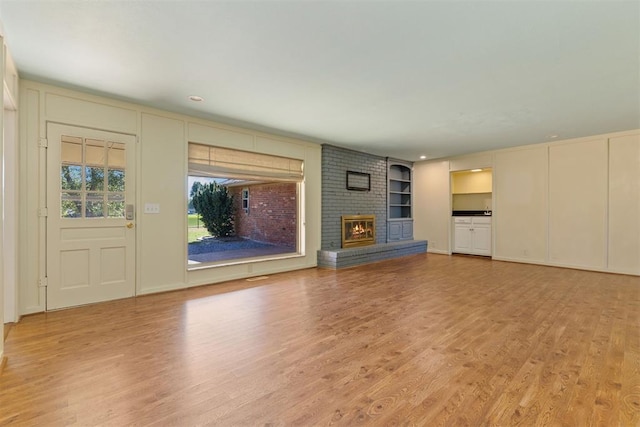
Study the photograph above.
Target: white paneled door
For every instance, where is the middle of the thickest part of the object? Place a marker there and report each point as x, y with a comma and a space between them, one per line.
90, 216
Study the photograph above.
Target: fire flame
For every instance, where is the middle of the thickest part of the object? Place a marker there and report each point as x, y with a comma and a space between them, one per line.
358, 231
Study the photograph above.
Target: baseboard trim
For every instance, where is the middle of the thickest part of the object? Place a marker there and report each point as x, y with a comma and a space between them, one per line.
7, 329
560, 265
438, 251
519, 260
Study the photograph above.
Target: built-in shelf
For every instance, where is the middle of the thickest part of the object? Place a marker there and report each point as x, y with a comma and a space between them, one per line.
399, 190
399, 200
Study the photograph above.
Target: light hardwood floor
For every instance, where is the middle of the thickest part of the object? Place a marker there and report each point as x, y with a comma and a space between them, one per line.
425, 340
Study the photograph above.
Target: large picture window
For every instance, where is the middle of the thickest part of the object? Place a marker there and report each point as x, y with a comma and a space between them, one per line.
225, 224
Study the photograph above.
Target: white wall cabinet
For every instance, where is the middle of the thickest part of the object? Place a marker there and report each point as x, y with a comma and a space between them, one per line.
472, 235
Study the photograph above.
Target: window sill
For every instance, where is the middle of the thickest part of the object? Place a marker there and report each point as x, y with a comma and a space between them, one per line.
240, 261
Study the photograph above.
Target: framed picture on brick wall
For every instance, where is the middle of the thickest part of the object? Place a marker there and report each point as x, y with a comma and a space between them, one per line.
358, 181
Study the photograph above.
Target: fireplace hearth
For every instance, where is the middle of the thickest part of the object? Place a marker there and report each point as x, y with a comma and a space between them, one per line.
358, 230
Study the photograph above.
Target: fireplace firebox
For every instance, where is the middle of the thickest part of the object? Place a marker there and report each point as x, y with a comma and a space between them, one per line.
358, 230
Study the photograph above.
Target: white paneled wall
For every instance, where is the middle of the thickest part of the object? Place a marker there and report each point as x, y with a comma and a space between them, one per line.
578, 204
573, 203
2, 197
431, 205
161, 171
161, 241
520, 204
624, 204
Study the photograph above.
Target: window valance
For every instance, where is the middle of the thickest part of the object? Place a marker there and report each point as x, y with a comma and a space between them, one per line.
206, 160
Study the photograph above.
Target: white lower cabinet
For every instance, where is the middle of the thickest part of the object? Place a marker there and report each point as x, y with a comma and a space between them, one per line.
472, 235
462, 235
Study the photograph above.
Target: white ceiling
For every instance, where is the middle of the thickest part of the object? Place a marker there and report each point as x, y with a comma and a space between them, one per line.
393, 78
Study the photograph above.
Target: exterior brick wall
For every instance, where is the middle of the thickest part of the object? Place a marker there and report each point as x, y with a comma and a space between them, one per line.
272, 214
338, 201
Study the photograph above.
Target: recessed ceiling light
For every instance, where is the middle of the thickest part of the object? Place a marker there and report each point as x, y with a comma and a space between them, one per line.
196, 98
552, 136
423, 157
476, 170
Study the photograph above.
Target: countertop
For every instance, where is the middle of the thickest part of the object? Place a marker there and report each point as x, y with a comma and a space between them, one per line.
470, 213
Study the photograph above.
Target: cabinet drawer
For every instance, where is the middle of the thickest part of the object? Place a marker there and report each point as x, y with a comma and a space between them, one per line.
462, 220
482, 220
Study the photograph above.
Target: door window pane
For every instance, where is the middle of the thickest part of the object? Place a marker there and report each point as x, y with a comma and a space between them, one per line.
116, 179
70, 177
115, 156
94, 152
94, 178
71, 205
115, 205
71, 149
95, 205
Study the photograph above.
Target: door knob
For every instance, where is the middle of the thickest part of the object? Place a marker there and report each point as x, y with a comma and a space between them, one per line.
129, 225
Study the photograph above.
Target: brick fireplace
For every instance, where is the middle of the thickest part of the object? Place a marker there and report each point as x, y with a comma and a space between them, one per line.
339, 202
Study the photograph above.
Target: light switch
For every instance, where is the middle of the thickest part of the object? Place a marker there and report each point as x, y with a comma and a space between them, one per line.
152, 208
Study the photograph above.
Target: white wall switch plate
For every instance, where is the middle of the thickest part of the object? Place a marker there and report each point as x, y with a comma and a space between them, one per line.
152, 208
